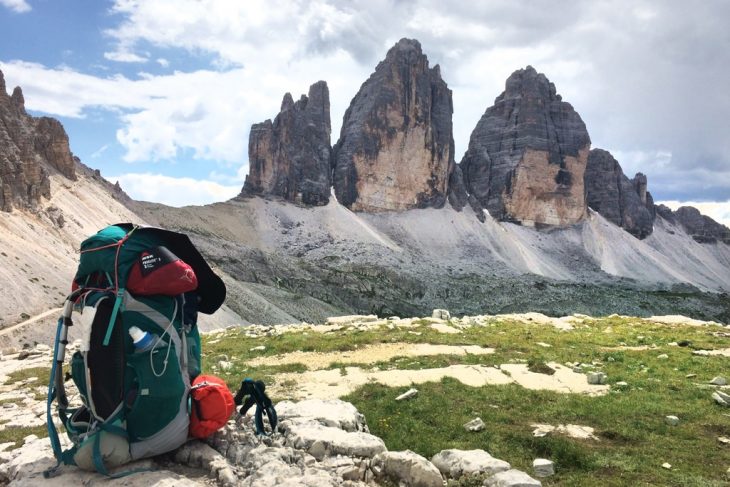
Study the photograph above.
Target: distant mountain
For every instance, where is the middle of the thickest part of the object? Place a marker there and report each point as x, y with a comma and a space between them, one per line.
564, 229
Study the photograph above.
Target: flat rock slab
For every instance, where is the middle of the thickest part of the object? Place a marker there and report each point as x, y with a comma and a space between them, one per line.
332, 412
323, 441
26, 465
369, 354
326, 384
571, 430
454, 463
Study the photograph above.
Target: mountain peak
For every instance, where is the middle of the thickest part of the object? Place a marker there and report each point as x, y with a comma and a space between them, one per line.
527, 155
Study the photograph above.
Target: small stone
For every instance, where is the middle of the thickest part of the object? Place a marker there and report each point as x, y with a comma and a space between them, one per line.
666, 465
224, 365
622, 384
543, 467
596, 378
672, 420
260, 348
475, 425
407, 395
318, 450
511, 478
690, 376
441, 314
719, 381
724, 440
721, 398
663, 356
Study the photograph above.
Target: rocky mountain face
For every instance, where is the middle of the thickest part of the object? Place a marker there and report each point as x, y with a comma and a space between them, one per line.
31, 147
620, 200
701, 228
396, 147
290, 158
527, 155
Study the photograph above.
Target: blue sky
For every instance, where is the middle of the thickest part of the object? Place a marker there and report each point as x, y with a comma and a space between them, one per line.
166, 90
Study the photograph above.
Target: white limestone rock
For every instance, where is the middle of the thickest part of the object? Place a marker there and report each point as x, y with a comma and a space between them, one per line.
721, 398
512, 478
475, 425
454, 464
441, 314
410, 393
328, 441
543, 467
334, 413
407, 468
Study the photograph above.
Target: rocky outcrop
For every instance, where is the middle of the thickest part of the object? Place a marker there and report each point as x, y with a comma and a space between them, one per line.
30, 148
527, 155
290, 158
701, 227
621, 200
396, 147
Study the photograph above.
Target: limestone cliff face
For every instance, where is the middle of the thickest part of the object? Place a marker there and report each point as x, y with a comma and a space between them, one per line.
290, 158
527, 155
701, 227
30, 147
621, 200
396, 147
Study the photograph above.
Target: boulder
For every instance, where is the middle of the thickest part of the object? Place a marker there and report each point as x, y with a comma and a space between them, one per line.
331, 412
454, 464
527, 155
511, 478
543, 467
321, 441
289, 158
407, 468
396, 146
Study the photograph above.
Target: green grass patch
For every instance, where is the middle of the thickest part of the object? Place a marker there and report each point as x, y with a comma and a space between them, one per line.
634, 439
40, 373
16, 435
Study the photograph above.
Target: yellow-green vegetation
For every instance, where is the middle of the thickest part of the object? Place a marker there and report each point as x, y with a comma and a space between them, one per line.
633, 438
40, 373
16, 435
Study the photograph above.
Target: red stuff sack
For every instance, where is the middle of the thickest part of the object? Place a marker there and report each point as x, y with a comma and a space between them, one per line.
212, 405
159, 271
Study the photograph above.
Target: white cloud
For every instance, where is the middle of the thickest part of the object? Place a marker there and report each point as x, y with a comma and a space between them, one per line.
603, 59
19, 6
173, 191
124, 56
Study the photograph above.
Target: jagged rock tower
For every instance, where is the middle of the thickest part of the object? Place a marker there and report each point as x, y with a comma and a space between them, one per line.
31, 147
621, 200
527, 155
290, 158
396, 147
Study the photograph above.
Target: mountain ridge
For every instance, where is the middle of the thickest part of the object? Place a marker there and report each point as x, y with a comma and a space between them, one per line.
287, 257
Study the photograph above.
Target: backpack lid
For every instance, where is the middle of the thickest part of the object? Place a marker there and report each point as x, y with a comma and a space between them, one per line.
211, 289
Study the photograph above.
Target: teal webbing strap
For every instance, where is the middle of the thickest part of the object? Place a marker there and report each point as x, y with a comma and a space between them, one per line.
52, 432
113, 318
62, 457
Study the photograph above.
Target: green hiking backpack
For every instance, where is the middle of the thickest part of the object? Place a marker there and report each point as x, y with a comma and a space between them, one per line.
135, 399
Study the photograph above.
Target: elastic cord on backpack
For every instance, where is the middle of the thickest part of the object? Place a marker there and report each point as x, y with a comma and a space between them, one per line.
169, 345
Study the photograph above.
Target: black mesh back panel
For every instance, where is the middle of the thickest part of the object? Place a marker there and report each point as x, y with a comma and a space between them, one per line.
106, 363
